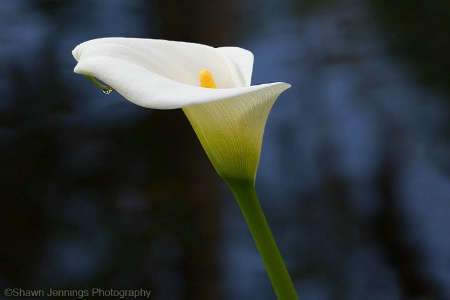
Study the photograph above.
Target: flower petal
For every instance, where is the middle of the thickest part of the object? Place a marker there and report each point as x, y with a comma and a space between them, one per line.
161, 74
178, 61
243, 60
231, 130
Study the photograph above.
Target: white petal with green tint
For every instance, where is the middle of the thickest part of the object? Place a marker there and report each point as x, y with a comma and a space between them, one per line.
229, 119
231, 130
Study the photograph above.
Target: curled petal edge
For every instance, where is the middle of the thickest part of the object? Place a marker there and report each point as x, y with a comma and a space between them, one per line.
148, 89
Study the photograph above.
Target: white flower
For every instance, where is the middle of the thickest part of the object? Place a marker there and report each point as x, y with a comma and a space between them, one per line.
226, 112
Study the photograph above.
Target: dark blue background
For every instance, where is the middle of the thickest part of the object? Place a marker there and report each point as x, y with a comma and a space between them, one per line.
96, 192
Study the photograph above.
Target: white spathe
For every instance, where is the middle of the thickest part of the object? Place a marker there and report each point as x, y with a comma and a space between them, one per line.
229, 120
163, 74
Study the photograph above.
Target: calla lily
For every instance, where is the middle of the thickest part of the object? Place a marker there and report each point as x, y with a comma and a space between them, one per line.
229, 119
212, 86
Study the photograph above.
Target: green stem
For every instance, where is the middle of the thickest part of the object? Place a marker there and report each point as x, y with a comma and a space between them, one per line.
245, 193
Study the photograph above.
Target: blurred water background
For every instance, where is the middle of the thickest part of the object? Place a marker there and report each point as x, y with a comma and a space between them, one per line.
354, 174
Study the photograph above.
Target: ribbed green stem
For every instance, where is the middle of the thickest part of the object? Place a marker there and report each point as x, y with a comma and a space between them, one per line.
245, 193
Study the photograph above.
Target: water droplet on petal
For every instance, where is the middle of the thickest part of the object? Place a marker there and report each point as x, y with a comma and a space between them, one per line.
107, 90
